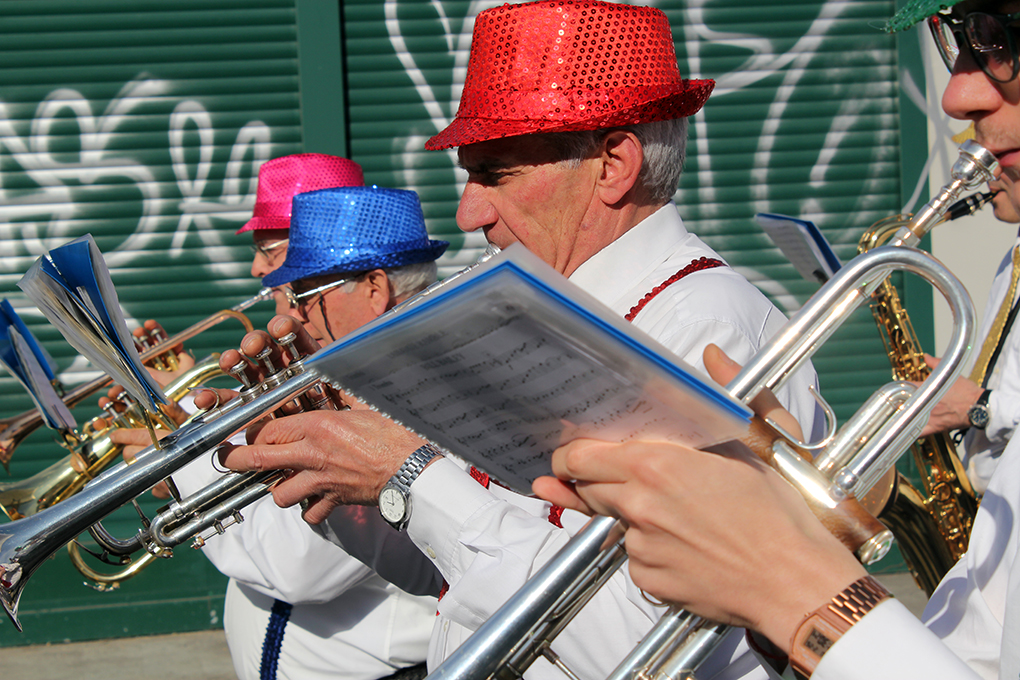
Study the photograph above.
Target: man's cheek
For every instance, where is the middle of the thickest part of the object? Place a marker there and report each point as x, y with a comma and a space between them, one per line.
1008, 210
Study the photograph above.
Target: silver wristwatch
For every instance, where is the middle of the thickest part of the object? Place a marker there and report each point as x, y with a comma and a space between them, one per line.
395, 497
978, 414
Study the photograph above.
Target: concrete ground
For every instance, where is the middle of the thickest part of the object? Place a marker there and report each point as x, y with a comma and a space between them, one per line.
183, 656
202, 655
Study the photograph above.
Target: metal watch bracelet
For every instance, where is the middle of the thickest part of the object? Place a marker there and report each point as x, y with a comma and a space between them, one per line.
824, 626
415, 463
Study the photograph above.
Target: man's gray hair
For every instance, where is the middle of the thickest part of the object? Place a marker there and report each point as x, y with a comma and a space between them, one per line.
411, 278
405, 280
664, 143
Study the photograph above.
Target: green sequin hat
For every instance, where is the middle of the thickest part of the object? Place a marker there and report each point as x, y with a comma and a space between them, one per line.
917, 11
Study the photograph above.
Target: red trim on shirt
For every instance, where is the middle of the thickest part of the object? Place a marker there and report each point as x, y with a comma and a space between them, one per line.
480, 476
694, 266
442, 591
555, 516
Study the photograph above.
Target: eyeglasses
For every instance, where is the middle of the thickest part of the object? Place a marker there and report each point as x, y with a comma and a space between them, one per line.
265, 249
296, 300
988, 37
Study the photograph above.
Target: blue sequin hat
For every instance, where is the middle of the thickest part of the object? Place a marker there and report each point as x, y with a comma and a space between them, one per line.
354, 229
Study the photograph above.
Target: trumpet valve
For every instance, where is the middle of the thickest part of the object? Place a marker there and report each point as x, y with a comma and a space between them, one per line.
249, 390
287, 343
217, 528
274, 376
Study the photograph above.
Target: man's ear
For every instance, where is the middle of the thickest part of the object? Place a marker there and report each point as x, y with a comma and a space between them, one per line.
378, 289
622, 156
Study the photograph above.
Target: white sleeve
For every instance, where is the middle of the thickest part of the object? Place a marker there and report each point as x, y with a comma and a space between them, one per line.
361, 531
889, 642
488, 542
274, 550
1004, 401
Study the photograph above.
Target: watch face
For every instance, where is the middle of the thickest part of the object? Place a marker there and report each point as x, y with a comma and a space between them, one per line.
978, 416
392, 504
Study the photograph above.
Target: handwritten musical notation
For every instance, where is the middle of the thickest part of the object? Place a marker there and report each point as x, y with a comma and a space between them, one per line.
513, 361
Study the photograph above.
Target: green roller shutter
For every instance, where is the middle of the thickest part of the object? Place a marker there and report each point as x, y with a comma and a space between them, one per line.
143, 124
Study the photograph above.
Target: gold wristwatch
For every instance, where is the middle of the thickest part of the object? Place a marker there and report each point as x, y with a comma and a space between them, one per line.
822, 627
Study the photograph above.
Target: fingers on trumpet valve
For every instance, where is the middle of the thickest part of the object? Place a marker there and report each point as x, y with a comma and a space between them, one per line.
151, 334
267, 359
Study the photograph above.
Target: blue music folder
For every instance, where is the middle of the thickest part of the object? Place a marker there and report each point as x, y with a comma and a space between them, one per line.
513, 361
33, 367
803, 244
71, 285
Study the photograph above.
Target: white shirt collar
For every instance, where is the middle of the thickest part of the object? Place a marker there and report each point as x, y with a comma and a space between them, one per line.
634, 255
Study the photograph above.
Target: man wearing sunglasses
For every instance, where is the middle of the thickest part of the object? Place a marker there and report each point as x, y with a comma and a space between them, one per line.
978, 41
298, 606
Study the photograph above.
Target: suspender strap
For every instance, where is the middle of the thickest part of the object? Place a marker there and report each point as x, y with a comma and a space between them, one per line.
694, 266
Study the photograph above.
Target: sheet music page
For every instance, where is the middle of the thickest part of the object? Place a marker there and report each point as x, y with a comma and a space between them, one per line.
516, 361
62, 308
55, 412
8, 318
72, 287
803, 244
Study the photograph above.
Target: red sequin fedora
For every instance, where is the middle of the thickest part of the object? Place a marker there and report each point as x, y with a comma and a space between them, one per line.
281, 178
563, 65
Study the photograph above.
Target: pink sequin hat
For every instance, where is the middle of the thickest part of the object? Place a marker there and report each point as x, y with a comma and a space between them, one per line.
281, 178
565, 65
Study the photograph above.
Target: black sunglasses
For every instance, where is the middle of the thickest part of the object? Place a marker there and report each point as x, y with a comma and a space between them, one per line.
988, 37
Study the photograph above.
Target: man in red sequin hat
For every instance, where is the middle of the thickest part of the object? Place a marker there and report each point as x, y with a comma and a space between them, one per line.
572, 129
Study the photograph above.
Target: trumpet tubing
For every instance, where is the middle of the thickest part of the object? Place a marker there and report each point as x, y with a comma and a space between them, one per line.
677, 646
26, 543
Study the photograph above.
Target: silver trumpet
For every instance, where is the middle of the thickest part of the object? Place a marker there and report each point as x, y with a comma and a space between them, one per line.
829, 474
26, 543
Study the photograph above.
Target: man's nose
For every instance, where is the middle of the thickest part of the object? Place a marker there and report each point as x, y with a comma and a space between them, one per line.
475, 211
970, 94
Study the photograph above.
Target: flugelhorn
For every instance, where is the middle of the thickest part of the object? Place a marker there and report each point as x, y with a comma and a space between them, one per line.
14, 429
847, 464
26, 543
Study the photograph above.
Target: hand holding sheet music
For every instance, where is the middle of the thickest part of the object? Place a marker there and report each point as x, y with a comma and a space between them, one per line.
512, 361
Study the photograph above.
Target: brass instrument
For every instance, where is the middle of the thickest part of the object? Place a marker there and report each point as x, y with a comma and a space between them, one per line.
14, 429
933, 527
91, 452
27, 542
848, 464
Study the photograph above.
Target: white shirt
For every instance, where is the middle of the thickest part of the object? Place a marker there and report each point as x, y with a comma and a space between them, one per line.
347, 622
488, 542
983, 447
972, 618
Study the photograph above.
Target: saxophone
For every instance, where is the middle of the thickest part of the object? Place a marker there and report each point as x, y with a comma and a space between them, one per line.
932, 525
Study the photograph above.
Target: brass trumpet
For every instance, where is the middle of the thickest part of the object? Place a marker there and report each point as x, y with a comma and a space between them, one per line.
14, 429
